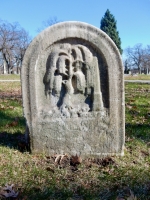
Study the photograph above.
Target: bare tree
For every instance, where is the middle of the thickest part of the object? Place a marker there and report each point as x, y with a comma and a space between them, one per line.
139, 57
11, 42
146, 59
135, 56
8, 39
47, 23
21, 47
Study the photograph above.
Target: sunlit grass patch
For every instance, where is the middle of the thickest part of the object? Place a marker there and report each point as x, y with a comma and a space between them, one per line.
10, 77
137, 99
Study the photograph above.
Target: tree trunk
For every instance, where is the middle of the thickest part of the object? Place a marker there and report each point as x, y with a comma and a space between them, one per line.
18, 67
5, 67
147, 70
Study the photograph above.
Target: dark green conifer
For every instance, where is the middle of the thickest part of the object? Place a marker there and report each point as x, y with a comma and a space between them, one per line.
108, 24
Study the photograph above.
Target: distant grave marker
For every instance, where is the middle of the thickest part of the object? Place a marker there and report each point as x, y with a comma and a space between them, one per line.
73, 92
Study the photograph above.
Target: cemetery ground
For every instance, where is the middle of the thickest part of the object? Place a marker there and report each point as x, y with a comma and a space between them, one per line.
137, 77
126, 77
59, 177
10, 77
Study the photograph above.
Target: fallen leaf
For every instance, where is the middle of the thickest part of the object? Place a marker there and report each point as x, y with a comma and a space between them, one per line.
50, 169
48, 157
75, 160
134, 107
132, 100
14, 123
107, 161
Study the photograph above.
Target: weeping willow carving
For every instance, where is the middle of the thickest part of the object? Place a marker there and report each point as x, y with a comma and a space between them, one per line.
72, 78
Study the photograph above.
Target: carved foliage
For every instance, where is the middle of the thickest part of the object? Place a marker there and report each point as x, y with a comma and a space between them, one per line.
72, 80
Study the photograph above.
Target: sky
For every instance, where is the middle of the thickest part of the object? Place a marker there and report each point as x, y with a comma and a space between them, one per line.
132, 16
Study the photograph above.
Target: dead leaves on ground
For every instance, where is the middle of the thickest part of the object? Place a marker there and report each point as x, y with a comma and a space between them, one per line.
103, 162
64, 160
75, 160
11, 94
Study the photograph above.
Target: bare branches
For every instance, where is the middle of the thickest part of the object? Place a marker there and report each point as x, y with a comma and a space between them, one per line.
138, 57
47, 23
13, 43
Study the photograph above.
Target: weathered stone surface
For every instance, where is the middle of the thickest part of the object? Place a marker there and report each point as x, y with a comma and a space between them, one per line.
73, 93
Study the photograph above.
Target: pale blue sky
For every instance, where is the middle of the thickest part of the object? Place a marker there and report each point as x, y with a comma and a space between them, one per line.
133, 16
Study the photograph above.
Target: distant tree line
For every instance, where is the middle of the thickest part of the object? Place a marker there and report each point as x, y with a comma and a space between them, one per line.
14, 41
137, 57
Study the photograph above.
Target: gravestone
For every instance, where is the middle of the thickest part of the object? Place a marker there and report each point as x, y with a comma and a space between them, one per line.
73, 92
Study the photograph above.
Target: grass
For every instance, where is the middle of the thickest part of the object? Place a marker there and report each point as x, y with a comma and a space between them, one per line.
39, 177
9, 76
126, 77
137, 77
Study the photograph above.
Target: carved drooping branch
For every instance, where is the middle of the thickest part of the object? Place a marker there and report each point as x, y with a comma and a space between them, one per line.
73, 70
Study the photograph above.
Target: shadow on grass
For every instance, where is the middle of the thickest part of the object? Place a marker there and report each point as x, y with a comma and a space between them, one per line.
138, 131
11, 140
12, 131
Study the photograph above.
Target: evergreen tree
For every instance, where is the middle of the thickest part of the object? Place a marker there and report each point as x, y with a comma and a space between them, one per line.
109, 26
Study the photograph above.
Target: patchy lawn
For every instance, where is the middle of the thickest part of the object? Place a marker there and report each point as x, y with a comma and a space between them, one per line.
137, 77
66, 177
9, 76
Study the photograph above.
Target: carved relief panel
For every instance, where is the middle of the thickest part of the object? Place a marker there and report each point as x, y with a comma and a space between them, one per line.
72, 81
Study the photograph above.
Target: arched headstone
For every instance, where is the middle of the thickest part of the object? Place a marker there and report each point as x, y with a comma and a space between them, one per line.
73, 92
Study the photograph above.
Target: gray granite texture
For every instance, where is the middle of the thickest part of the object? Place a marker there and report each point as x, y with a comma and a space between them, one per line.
73, 92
